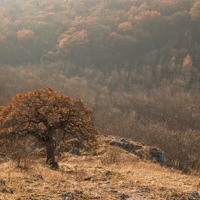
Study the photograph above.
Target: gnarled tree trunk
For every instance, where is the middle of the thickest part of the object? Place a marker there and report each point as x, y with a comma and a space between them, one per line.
50, 148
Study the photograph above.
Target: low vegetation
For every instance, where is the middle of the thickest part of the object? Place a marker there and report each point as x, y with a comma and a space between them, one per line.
99, 176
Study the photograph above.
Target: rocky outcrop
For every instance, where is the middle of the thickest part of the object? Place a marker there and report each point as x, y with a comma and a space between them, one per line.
142, 151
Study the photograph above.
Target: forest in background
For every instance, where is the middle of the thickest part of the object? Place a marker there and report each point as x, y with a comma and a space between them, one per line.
135, 63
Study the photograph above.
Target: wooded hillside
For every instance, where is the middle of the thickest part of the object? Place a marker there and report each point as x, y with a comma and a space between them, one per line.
135, 63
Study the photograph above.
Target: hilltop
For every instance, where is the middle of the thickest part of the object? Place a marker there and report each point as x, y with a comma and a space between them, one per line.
109, 173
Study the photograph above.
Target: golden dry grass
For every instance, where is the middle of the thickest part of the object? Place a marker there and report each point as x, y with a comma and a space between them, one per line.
104, 176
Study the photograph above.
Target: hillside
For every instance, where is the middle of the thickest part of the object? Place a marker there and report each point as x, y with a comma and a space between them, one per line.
135, 63
111, 173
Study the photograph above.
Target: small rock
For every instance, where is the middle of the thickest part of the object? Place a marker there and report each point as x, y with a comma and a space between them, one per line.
78, 191
124, 197
157, 154
112, 189
194, 195
90, 178
126, 145
2, 182
68, 196
30, 191
7, 190
108, 173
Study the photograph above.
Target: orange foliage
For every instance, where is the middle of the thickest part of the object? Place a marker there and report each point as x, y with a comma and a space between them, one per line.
195, 11
41, 113
146, 16
187, 62
73, 37
78, 21
113, 34
25, 34
131, 13
125, 26
141, 13
39, 110
81, 36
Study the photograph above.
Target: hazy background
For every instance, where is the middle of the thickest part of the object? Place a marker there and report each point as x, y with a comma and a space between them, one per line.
135, 63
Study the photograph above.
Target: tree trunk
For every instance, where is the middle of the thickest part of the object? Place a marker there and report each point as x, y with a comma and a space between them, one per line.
50, 147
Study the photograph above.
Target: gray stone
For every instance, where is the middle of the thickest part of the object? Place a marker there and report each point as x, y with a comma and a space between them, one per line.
152, 153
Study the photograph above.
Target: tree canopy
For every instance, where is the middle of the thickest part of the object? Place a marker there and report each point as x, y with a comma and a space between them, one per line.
42, 113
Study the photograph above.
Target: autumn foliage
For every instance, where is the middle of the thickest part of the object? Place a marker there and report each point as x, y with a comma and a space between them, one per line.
135, 63
43, 113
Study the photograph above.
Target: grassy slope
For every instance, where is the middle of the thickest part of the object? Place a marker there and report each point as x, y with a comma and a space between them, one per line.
112, 174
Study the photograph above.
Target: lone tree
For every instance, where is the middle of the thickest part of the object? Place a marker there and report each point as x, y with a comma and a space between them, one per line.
42, 113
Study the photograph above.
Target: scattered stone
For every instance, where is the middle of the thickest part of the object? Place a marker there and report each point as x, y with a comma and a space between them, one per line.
7, 190
2, 182
68, 196
78, 191
90, 178
112, 189
30, 190
157, 154
194, 195
124, 197
4, 188
108, 173
77, 194
125, 144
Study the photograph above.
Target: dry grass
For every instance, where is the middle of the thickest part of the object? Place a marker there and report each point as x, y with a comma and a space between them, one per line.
115, 155
112, 174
